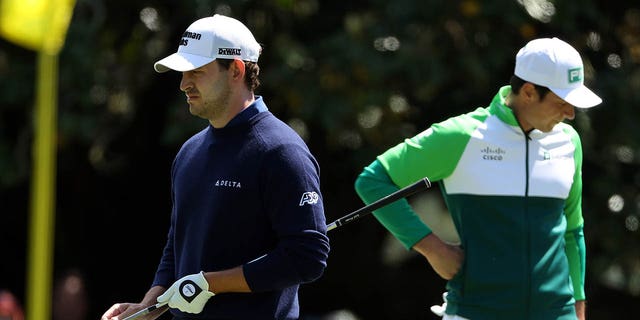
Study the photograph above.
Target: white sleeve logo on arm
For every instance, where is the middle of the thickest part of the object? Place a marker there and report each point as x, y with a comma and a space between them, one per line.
310, 197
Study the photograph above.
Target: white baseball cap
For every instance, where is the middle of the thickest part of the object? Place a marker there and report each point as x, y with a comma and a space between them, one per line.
553, 63
208, 39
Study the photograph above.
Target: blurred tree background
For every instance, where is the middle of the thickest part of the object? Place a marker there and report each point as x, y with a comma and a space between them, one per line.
353, 78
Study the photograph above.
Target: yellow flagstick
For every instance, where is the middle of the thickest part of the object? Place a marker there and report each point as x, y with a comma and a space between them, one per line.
40, 25
41, 233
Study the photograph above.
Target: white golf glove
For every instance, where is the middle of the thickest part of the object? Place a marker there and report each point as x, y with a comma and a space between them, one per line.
188, 294
439, 309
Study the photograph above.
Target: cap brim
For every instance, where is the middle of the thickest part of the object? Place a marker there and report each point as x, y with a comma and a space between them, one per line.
580, 97
181, 61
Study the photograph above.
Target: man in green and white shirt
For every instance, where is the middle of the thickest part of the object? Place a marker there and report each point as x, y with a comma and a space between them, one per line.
511, 178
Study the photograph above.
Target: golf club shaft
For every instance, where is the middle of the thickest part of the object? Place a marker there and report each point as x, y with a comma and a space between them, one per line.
420, 185
145, 311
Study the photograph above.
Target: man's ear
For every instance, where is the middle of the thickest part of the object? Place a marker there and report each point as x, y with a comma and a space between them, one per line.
528, 92
238, 69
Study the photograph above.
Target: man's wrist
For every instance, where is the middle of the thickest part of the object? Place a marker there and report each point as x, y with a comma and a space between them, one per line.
581, 309
151, 295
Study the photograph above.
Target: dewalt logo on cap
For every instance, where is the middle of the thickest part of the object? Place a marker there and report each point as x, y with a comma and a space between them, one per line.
575, 75
230, 51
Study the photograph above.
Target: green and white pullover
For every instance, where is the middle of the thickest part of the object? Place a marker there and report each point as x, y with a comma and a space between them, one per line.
515, 200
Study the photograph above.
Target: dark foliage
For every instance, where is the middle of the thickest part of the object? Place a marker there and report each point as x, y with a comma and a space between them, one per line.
354, 78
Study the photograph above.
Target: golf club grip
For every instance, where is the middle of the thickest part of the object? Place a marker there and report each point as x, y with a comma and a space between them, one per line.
420, 185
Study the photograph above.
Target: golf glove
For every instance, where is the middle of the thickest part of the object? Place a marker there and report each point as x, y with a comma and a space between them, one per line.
439, 309
188, 294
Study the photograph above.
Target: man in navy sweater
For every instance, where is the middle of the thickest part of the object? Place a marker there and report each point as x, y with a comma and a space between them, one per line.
247, 224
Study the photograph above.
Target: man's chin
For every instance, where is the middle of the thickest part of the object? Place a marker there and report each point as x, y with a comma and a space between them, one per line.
197, 112
193, 110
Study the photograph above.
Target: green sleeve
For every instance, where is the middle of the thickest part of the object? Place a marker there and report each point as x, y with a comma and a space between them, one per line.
433, 153
574, 237
399, 218
573, 204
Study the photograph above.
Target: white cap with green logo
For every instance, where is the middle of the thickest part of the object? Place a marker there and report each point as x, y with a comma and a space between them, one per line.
553, 63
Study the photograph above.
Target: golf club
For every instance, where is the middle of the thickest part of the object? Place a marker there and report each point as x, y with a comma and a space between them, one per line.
420, 185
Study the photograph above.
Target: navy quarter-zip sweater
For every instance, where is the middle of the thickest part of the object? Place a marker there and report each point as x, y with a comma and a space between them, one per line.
247, 194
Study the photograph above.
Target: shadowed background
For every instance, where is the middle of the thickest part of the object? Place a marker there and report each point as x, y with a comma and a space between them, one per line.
353, 78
